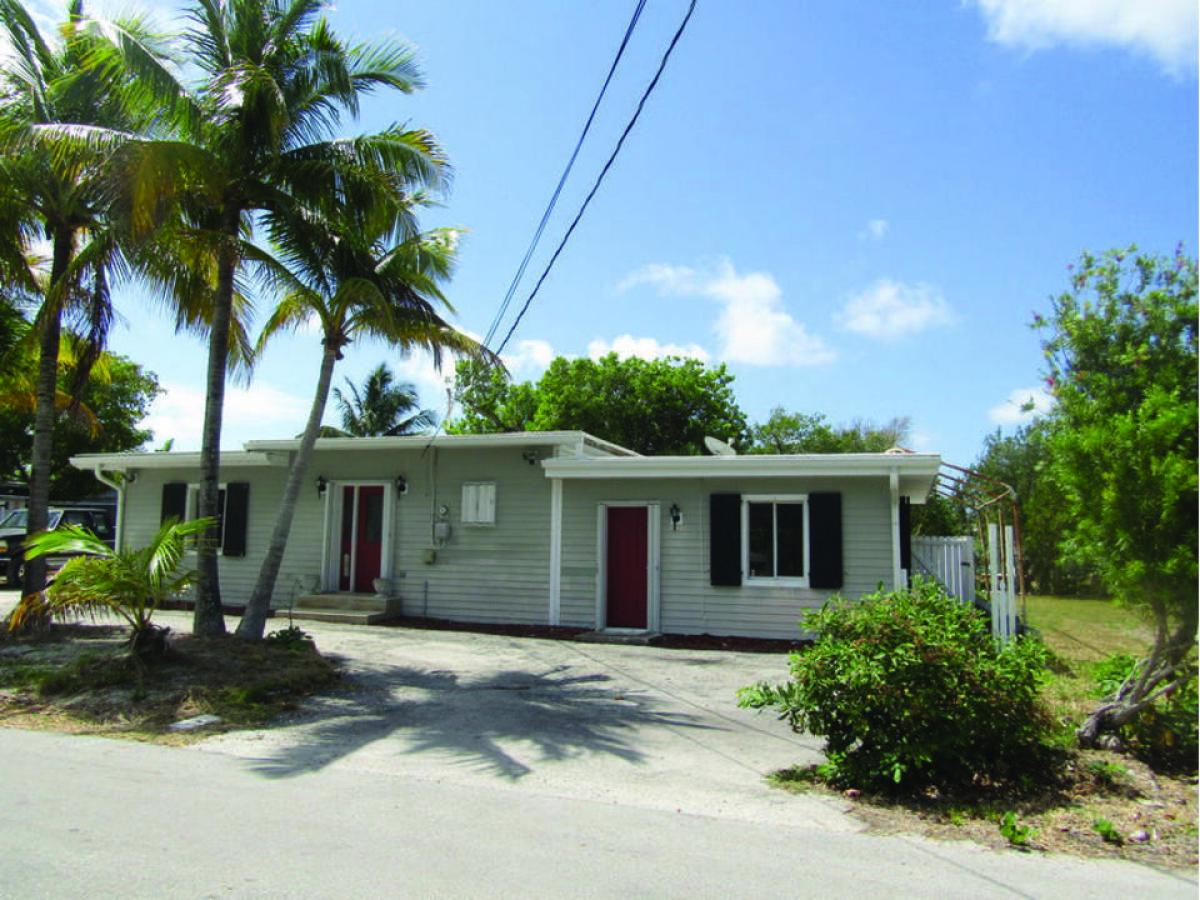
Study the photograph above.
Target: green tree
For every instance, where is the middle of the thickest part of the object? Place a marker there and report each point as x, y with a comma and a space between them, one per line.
253, 144
62, 188
353, 284
1022, 461
797, 432
112, 402
1121, 363
659, 407
382, 408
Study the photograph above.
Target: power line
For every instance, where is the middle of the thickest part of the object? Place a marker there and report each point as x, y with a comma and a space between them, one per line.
603, 172
537, 235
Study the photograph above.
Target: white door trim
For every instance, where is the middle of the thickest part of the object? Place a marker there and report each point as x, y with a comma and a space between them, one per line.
653, 564
332, 552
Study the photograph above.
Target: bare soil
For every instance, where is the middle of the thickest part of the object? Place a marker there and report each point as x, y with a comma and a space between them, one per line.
81, 679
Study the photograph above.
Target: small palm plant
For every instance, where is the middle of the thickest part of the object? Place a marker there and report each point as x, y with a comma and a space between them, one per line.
131, 584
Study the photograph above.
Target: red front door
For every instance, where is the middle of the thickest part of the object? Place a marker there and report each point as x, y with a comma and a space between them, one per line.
627, 577
362, 538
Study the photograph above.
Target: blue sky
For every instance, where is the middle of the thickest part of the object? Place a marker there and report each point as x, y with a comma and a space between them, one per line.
856, 206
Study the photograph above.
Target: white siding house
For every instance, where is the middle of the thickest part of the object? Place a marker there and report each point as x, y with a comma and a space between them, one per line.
556, 528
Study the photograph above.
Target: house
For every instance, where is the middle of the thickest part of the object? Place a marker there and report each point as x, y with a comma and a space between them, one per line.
558, 528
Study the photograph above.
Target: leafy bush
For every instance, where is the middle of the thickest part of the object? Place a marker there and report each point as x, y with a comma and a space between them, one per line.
909, 688
1112, 672
292, 638
1108, 831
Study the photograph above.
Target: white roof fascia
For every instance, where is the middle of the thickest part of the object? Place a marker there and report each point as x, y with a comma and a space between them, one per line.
916, 469
568, 439
124, 462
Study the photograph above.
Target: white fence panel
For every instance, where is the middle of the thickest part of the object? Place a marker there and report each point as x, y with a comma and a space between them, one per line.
950, 560
1002, 581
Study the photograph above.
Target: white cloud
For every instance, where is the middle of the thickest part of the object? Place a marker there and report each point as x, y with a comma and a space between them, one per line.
1022, 405
753, 326
1165, 30
888, 310
529, 359
875, 230
627, 345
258, 411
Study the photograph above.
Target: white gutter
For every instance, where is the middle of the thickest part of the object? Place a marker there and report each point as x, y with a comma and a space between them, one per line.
894, 490
922, 466
119, 487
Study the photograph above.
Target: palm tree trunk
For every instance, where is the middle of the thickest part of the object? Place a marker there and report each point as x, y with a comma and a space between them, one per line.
208, 618
44, 412
254, 620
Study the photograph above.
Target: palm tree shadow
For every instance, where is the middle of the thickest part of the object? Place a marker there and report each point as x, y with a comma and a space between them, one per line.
550, 717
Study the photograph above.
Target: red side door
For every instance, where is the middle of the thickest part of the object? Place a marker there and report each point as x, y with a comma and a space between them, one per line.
627, 566
370, 538
362, 538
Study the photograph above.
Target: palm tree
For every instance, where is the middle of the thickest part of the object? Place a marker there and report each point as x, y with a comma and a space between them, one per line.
382, 408
131, 583
353, 283
60, 188
253, 143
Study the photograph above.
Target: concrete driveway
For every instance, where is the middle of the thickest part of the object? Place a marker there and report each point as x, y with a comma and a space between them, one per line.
637, 726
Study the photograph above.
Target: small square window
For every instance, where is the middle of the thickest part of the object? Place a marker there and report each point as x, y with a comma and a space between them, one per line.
479, 503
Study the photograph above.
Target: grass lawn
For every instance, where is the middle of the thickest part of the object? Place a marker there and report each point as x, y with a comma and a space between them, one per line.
1107, 804
81, 679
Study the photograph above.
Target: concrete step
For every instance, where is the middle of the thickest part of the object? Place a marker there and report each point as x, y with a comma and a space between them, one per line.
342, 601
344, 616
640, 638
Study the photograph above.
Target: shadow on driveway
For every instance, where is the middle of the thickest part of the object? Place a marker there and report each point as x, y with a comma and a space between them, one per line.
557, 715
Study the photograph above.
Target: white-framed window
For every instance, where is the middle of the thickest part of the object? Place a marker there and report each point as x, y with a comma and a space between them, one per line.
193, 510
479, 503
775, 539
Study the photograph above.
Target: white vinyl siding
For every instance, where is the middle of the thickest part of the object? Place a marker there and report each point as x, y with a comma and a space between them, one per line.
689, 603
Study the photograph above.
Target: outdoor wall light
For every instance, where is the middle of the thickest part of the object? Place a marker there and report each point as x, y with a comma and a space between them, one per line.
676, 516
401, 484
321, 484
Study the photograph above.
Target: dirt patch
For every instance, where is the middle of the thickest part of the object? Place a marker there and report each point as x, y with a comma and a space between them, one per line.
81, 679
1151, 817
717, 642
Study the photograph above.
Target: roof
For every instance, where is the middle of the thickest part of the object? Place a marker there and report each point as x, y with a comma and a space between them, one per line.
275, 452
915, 471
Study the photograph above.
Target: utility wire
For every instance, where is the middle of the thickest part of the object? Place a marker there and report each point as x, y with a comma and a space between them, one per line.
537, 235
603, 172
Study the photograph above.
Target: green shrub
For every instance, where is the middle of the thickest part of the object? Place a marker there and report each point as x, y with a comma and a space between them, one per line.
1011, 830
909, 689
1108, 831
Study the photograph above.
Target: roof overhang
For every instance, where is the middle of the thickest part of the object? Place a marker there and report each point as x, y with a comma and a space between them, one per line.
915, 471
129, 462
578, 441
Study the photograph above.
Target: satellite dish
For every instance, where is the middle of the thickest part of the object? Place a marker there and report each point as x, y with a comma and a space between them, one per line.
718, 447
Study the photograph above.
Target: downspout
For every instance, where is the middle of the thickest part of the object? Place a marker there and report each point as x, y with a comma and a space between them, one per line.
119, 487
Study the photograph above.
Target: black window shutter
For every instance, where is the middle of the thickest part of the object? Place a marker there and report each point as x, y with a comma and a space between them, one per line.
906, 535
237, 502
174, 501
725, 539
825, 543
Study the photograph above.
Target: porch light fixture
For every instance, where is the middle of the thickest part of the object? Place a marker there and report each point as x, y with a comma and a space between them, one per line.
401, 484
676, 516
321, 484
